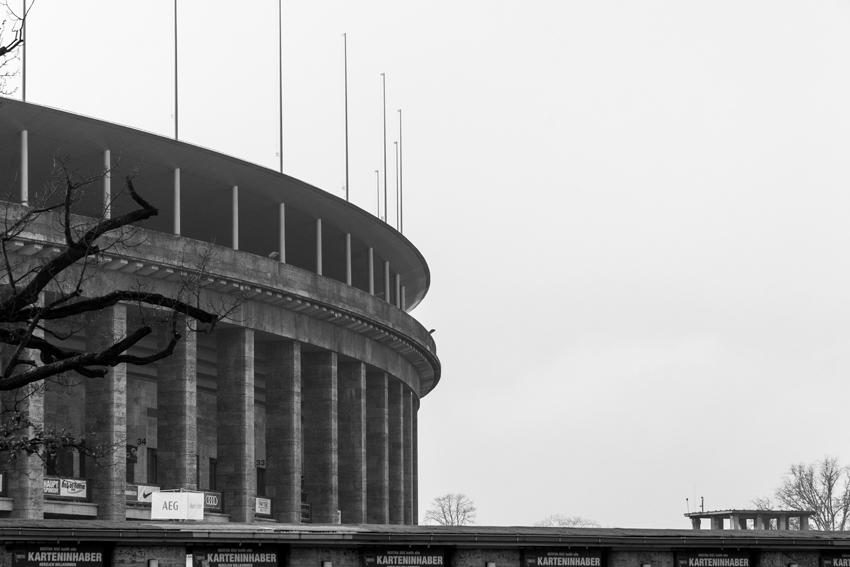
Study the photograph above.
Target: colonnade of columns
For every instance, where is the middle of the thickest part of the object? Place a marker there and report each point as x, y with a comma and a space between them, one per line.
356, 453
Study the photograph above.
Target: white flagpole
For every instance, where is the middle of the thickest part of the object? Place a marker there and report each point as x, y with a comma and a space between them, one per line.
345, 65
176, 118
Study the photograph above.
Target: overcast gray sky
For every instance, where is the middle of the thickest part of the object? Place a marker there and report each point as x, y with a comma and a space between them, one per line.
635, 215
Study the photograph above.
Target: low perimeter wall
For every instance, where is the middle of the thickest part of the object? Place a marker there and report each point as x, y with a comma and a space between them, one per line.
57, 543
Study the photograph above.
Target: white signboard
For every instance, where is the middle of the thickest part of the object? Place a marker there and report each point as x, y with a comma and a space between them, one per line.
73, 488
263, 506
177, 506
144, 493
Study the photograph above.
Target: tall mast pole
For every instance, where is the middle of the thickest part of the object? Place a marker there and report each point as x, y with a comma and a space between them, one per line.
24, 52
397, 205
176, 116
378, 190
345, 66
280, 73
384, 79
400, 179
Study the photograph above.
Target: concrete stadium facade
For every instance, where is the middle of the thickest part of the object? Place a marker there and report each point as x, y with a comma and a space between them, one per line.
300, 407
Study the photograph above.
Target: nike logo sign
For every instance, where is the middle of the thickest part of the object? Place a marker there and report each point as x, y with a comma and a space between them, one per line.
146, 494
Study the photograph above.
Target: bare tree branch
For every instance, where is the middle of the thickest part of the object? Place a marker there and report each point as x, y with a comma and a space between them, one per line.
451, 510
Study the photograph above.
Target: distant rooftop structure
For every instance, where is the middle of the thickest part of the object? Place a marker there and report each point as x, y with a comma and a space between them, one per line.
761, 519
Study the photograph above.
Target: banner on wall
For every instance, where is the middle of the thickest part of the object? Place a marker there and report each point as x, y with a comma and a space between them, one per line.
407, 557
835, 560
139, 492
713, 559
66, 488
212, 501
563, 558
177, 506
262, 506
56, 555
234, 557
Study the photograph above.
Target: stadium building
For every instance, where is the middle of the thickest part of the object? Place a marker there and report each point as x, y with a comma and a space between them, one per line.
300, 407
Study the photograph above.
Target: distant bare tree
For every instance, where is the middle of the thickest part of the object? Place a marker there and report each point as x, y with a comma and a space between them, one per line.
822, 487
451, 510
562, 521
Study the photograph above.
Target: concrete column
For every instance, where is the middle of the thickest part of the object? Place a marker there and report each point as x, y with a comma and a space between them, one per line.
234, 222
403, 298
319, 246
106, 414
387, 294
25, 475
348, 259
319, 407
782, 522
177, 411
352, 442
804, 523
716, 523
695, 523
25, 168
760, 522
107, 184
395, 418
371, 271
407, 445
176, 219
415, 461
237, 474
398, 291
377, 450
734, 522
283, 430
282, 232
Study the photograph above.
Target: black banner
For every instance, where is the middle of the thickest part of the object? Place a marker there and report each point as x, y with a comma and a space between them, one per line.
234, 557
835, 560
407, 557
713, 559
563, 558
212, 501
57, 556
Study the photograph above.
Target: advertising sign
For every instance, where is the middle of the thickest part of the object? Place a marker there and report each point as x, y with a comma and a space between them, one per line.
144, 493
73, 488
177, 506
51, 487
713, 559
234, 557
66, 488
409, 557
57, 555
563, 558
213, 501
139, 492
835, 560
262, 506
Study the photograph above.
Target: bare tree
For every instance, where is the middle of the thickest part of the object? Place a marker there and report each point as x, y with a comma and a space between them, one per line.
11, 39
46, 299
451, 510
822, 487
562, 521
